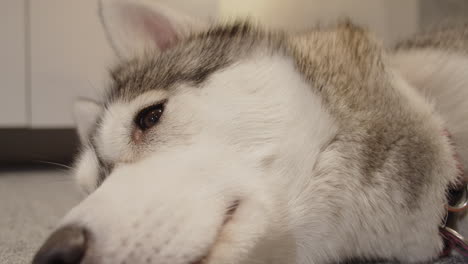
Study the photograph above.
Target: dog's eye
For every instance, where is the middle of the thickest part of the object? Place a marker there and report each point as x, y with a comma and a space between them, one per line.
149, 117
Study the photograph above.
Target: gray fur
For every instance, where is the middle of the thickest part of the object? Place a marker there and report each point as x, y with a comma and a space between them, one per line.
387, 150
378, 126
381, 135
448, 39
192, 60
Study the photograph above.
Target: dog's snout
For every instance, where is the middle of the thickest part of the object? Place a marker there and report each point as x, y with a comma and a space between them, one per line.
67, 245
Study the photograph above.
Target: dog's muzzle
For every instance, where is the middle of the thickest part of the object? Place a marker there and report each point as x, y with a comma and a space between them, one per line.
159, 211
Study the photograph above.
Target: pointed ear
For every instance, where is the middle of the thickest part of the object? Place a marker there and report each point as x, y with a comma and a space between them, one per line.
138, 26
86, 113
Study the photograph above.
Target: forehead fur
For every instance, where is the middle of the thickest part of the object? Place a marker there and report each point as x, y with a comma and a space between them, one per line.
192, 60
323, 56
344, 66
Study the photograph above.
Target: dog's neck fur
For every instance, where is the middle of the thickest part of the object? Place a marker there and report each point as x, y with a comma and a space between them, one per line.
440, 76
383, 123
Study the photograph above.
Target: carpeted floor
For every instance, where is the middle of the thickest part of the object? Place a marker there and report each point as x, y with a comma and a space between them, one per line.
32, 202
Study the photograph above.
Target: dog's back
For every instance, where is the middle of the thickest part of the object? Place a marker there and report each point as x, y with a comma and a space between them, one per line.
450, 36
436, 63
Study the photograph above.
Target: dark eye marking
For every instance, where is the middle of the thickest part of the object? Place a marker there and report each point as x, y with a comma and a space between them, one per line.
149, 116
104, 170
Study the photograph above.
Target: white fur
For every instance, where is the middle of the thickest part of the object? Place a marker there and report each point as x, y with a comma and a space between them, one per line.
241, 137
441, 76
86, 113
87, 170
253, 133
117, 126
249, 148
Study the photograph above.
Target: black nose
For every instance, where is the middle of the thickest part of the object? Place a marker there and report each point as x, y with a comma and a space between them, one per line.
67, 245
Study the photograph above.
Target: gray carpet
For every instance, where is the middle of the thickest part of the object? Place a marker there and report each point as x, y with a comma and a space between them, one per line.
31, 203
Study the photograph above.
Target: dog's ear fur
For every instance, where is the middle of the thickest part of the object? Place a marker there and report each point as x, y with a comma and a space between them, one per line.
136, 27
86, 112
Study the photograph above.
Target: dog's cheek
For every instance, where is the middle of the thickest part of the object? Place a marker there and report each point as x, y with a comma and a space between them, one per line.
86, 171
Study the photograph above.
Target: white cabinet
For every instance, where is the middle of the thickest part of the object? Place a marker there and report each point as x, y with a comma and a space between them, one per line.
70, 57
13, 95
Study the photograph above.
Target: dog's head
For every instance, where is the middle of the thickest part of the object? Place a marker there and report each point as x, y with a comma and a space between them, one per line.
204, 149
192, 154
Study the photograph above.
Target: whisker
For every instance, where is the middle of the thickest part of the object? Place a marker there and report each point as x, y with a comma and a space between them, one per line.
54, 163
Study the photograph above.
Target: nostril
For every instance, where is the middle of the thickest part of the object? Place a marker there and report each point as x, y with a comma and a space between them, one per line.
67, 245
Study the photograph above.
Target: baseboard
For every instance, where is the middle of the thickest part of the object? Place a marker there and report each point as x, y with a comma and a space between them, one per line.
37, 146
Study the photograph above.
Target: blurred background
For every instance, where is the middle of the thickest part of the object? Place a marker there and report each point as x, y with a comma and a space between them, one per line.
53, 51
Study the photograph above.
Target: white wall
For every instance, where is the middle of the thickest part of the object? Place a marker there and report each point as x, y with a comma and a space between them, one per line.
70, 56
13, 97
389, 19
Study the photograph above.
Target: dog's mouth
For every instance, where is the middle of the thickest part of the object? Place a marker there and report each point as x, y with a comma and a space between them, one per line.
73, 244
229, 215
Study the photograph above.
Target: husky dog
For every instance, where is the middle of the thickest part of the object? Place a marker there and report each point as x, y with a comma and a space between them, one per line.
232, 144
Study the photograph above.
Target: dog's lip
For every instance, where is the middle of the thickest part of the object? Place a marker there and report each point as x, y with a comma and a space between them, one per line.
204, 259
200, 261
230, 212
